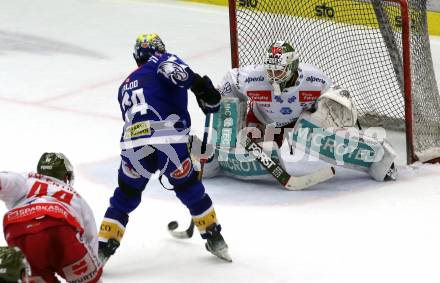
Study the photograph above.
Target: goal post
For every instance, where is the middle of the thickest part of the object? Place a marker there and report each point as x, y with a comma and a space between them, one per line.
378, 49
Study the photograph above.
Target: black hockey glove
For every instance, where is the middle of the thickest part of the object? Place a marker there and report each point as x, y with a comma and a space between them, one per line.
207, 95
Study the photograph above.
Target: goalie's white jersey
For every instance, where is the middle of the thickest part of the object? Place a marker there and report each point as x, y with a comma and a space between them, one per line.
251, 84
29, 196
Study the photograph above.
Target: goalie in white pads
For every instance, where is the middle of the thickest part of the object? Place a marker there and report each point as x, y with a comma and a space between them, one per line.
284, 98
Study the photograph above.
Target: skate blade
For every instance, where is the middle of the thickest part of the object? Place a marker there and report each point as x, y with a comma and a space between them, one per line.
103, 258
223, 254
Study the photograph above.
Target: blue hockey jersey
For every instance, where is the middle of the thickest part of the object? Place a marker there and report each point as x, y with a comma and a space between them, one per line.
154, 101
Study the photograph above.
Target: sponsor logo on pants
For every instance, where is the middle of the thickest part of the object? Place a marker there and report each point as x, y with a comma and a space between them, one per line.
83, 270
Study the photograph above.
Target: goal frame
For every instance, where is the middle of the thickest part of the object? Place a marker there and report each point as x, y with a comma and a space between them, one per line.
406, 58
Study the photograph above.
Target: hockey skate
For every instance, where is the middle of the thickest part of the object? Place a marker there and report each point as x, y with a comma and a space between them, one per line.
106, 250
391, 174
216, 245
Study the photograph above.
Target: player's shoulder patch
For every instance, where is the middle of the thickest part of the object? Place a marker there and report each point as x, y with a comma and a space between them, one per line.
174, 69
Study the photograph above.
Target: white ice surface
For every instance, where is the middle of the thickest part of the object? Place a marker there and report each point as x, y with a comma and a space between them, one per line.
61, 63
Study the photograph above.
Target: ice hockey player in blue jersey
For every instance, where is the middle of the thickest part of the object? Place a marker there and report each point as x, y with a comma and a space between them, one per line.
154, 106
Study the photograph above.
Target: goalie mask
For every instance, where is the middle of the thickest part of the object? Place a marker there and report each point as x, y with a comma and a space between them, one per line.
281, 63
56, 165
146, 46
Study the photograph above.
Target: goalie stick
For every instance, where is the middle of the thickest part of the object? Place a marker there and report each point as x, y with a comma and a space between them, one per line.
289, 182
173, 225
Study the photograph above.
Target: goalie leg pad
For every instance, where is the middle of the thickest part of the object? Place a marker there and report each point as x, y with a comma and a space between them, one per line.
227, 122
378, 170
211, 168
345, 147
241, 165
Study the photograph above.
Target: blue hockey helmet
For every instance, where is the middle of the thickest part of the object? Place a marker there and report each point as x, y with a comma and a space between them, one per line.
146, 46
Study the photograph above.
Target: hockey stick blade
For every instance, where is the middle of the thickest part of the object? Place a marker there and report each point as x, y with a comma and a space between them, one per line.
289, 182
185, 234
297, 183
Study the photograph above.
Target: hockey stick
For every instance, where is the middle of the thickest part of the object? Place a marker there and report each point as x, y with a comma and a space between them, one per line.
173, 225
185, 234
289, 182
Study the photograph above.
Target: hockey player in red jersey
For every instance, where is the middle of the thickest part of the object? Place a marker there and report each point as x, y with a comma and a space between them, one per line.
50, 222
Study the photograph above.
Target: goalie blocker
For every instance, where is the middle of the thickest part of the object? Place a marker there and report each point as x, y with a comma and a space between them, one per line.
329, 134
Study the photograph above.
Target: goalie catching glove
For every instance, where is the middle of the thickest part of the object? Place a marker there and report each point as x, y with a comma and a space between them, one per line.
207, 95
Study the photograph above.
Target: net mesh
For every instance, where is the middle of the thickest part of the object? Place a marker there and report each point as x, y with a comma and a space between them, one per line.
358, 43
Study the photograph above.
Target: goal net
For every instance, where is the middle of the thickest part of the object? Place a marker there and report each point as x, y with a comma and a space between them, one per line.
378, 49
